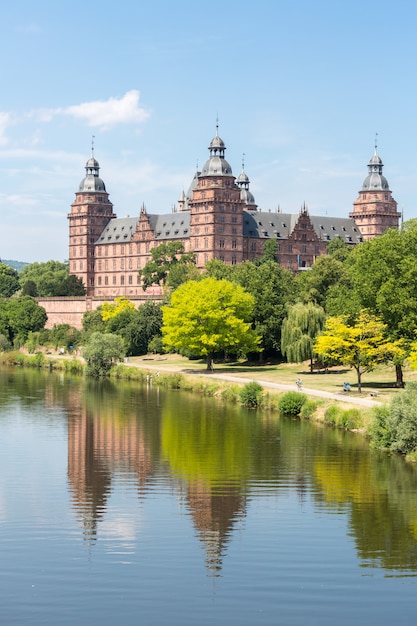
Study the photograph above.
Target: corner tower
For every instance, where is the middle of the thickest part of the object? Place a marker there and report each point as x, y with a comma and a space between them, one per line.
375, 210
216, 210
90, 212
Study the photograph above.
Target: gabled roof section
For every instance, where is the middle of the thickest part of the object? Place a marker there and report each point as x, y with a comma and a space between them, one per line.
267, 225
171, 226
328, 228
119, 230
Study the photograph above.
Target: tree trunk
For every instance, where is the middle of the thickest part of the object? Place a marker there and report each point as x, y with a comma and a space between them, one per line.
209, 362
311, 365
359, 373
399, 377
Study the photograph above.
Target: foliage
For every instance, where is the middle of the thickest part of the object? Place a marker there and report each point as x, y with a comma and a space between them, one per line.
291, 403
101, 352
51, 278
161, 268
19, 316
338, 249
272, 287
251, 394
326, 274
219, 270
208, 316
9, 281
299, 331
155, 345
92, 322
361, 344
109, 311
4, 343
270, 251
308, 409
139, 327
394, 427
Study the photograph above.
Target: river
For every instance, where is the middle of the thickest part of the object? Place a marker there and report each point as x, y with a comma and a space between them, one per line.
129, 505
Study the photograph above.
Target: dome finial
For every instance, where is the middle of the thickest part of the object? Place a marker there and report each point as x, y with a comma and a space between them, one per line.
92, 145
243, 161
376, 142
217, 125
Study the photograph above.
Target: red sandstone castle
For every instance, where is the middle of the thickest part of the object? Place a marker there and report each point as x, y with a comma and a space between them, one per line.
217, 218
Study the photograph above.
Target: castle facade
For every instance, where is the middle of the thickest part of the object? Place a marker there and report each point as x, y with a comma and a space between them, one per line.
216, 219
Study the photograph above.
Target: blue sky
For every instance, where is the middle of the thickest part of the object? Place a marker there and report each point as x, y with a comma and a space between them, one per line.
300, 88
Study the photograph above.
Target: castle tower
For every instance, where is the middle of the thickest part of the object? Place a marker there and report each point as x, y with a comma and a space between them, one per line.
243, 181
375, 210
90, 212
216, 228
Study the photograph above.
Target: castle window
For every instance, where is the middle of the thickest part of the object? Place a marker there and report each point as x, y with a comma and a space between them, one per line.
221, 207
343, 228
333, 227
304, 225
221, 258
304, 236
290, 247
221, 218
233, 260
114, 280
99, 266
253, 245
122, 280
234, 244
130, 264
221, 243
234, 231
122, 264
106, 265
106, 280
304, 249
234, 219
114, 264
234, 209
130, 279
99, 280
317, 249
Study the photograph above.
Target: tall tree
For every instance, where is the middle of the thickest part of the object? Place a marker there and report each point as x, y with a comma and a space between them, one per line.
9, 281
51, 278
361, 345
299, 331
163, 263
208, 316
24, 315
272, 287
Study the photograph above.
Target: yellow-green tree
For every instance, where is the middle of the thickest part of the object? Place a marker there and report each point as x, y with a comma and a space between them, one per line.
208, 316
361, 344
121, 304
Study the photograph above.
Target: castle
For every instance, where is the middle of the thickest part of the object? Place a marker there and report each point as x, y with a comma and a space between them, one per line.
216, 219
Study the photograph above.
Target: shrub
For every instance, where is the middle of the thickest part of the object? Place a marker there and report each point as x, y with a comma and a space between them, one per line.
4, 343
308, 409
231, 393
351, 418
251, 394
332, 415
290, 403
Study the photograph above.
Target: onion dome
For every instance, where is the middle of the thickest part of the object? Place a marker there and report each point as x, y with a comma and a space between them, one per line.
92, 181
242, 181
216, 164
375, 181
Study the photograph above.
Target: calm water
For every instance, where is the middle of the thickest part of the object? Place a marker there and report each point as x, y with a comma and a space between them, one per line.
128, 506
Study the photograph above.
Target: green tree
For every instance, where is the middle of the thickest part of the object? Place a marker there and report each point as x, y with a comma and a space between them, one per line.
272, 287
51, 278
208, 316
9, 281
218, 269
361, 345
92, 322
162, 268
23, 315
383, 279
327, 272
299, 331
143, 327
101, 352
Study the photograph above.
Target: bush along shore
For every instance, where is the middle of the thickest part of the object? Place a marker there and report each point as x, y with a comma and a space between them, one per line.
391, 427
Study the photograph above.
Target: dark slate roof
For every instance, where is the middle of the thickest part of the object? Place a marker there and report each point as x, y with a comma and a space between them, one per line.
171, 226
328, 228
266, 224
119, 230
262, 224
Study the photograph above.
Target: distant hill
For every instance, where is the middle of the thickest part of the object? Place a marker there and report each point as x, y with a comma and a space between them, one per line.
17, 265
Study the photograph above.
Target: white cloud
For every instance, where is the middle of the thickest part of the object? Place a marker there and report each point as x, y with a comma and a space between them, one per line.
124, 110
